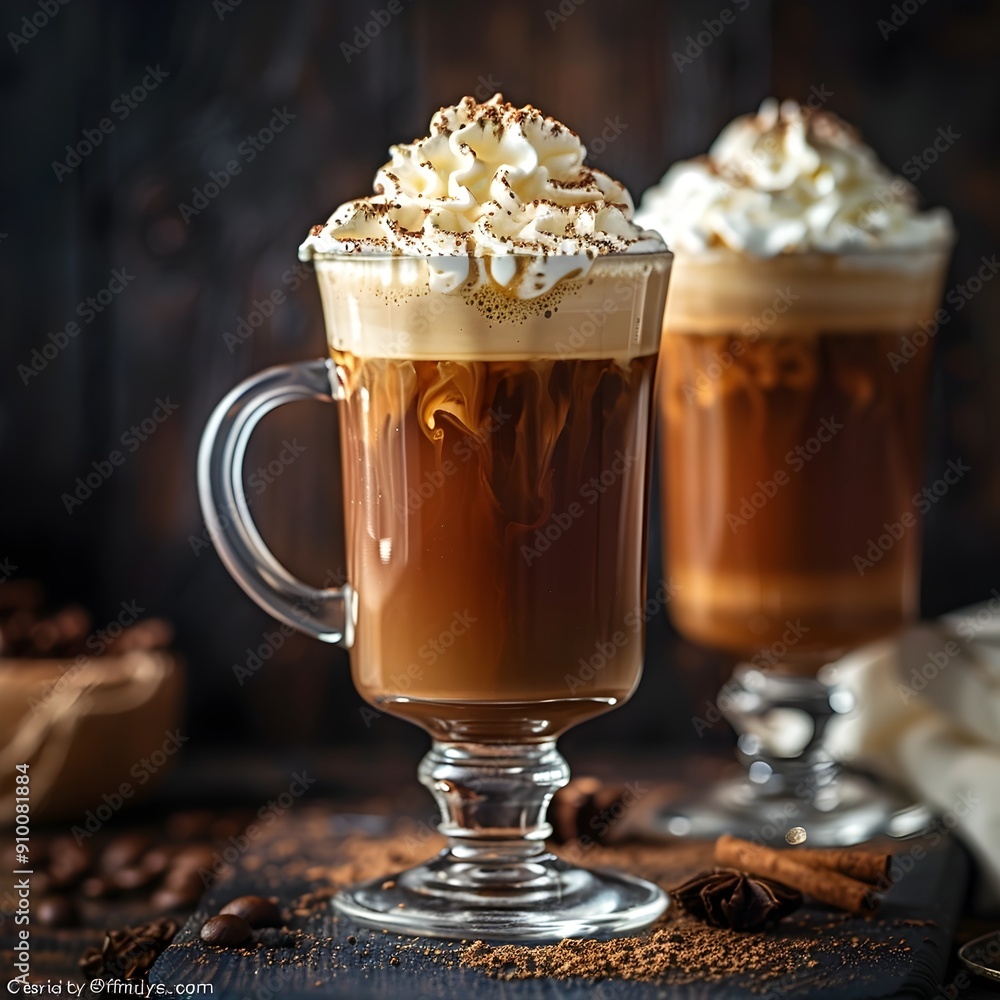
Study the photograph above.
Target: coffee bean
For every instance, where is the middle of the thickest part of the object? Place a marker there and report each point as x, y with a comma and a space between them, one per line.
57, 911
123, 852
156, 860
196, 856
225, 929
128, 879
184, 880
68, 862
96, 887
167, 900
255, 910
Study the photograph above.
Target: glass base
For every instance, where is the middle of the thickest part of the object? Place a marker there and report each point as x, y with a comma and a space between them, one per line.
542, 898
849, 810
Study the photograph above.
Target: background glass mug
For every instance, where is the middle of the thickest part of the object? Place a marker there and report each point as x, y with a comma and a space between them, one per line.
496, 457
792, 435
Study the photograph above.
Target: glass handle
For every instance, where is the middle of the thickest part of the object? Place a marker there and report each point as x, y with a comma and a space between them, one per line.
325, 614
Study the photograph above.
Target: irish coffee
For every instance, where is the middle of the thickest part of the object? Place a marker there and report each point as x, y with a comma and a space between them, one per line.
494, 318
496, 505
792, 429
494, 537
793, 441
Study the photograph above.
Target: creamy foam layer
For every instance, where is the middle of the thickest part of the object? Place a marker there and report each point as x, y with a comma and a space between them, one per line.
386, 308
723, 292
789, 180
489, 181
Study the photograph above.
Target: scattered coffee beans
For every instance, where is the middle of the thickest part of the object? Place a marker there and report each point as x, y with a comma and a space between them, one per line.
255, 910
225, 930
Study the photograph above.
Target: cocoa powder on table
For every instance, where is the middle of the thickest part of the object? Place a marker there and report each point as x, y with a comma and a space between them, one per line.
680, 951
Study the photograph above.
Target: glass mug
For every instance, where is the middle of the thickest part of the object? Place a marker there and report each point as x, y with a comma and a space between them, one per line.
792, 431
496, 458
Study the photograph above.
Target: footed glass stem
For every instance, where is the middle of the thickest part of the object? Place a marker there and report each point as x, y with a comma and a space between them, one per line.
792, 780
495, 880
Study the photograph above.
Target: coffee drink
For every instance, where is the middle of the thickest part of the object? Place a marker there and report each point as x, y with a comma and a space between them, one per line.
497, 350
793, 419
496, 499
494, 317
792, 404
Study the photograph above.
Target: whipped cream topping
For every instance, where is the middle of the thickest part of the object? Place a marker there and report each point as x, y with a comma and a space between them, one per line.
787, 180
490, 181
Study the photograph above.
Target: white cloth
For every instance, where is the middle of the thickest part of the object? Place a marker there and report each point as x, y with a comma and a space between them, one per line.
928, 716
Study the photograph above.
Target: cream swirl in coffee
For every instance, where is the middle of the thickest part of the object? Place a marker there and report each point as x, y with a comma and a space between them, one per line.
789, 180
490, 181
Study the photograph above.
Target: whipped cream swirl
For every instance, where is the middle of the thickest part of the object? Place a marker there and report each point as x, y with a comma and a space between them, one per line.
490, 181
789, 180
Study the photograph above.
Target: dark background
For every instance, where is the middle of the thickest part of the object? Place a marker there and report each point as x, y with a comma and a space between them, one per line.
141, 536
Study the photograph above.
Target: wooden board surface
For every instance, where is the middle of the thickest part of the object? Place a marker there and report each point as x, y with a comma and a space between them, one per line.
318, 850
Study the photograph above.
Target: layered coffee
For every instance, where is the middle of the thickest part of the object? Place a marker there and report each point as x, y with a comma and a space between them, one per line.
494, 317
791, 442
496, 505
792, 439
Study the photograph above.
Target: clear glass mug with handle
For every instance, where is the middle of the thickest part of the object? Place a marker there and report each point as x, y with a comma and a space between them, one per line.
496, 457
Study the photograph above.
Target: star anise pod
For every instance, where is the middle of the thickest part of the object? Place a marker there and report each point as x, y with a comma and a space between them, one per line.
729, 898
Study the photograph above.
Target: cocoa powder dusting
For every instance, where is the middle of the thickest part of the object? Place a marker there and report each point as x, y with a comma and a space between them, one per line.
682, 951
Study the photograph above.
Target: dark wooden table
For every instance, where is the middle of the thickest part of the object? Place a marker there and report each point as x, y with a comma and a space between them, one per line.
928, 910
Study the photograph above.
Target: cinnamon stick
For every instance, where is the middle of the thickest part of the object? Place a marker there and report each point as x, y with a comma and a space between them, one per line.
822, 884
868, 866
